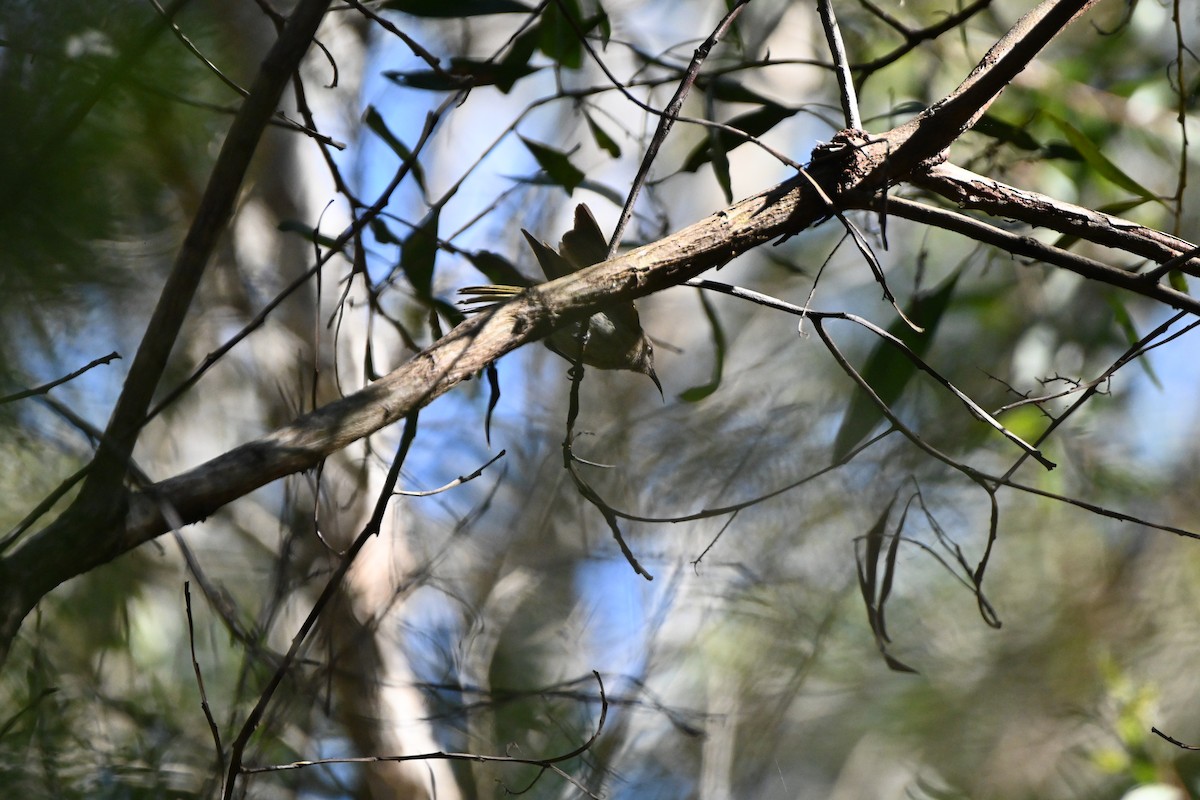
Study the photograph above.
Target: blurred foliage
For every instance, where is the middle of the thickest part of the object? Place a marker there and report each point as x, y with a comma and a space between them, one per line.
751, 666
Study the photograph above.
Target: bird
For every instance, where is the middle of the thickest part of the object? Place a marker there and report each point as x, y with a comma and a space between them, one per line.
614, 337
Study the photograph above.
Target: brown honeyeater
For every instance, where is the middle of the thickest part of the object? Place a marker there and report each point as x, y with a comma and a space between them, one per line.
614, 338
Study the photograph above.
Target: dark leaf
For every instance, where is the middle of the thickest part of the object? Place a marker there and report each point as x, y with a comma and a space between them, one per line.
515, 64
556, 164
730, 91
382, 233
1125, 323
896, 665
874, 597
755, 123
456, 8
1099, 162
1016, 135
720, 164
558, 39
602, 21
888, 372
464, 72
602, 139
698, 393
377, 125
607, 192
428, 80
418, 254
1061, 151
889, 572
498, 269
874, 545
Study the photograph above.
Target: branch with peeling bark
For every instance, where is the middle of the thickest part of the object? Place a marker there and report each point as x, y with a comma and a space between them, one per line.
850, 172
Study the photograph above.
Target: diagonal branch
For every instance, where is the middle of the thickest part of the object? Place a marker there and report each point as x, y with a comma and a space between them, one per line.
855, 166
946, 120
974, 191
1031, 248
102, 491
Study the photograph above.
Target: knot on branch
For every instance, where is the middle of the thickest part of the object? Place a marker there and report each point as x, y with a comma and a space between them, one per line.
852, 162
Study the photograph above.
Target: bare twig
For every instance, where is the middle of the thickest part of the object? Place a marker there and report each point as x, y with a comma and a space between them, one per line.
841, 64
550, 763
972, 191
212, 723
669, 115
1174, 741
237, 749
459, 481
1028, 246
46, 387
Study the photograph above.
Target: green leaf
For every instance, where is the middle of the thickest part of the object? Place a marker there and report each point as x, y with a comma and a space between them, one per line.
382, 233
450, 311
461, 8
698, 393
498, 269
556, 165
601, 137
730, 91
418, 255
1125, 322
465, 72
1016, 135
888, 372
515, 64
1099, 162
379, 127
428, 80
607, 192
558, 39
720, 163
604, 23
874, 595
307, 231
1061, 151
755, 123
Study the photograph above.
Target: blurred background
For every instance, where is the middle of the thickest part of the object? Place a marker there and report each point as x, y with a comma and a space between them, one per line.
749, 666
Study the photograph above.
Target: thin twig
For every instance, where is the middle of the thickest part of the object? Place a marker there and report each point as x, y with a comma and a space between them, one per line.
46, 387
545, 763
837, 49
335, 248
212, 723
238, 748
459, 481
669, 115
417, 50
1030, 247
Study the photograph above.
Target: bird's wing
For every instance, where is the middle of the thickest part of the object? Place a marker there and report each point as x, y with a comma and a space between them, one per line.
553, 265
585, 244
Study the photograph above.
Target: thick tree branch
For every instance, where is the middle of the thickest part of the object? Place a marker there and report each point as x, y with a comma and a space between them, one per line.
974, 191
102, 490
946, 120
1029, 247
856, 166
